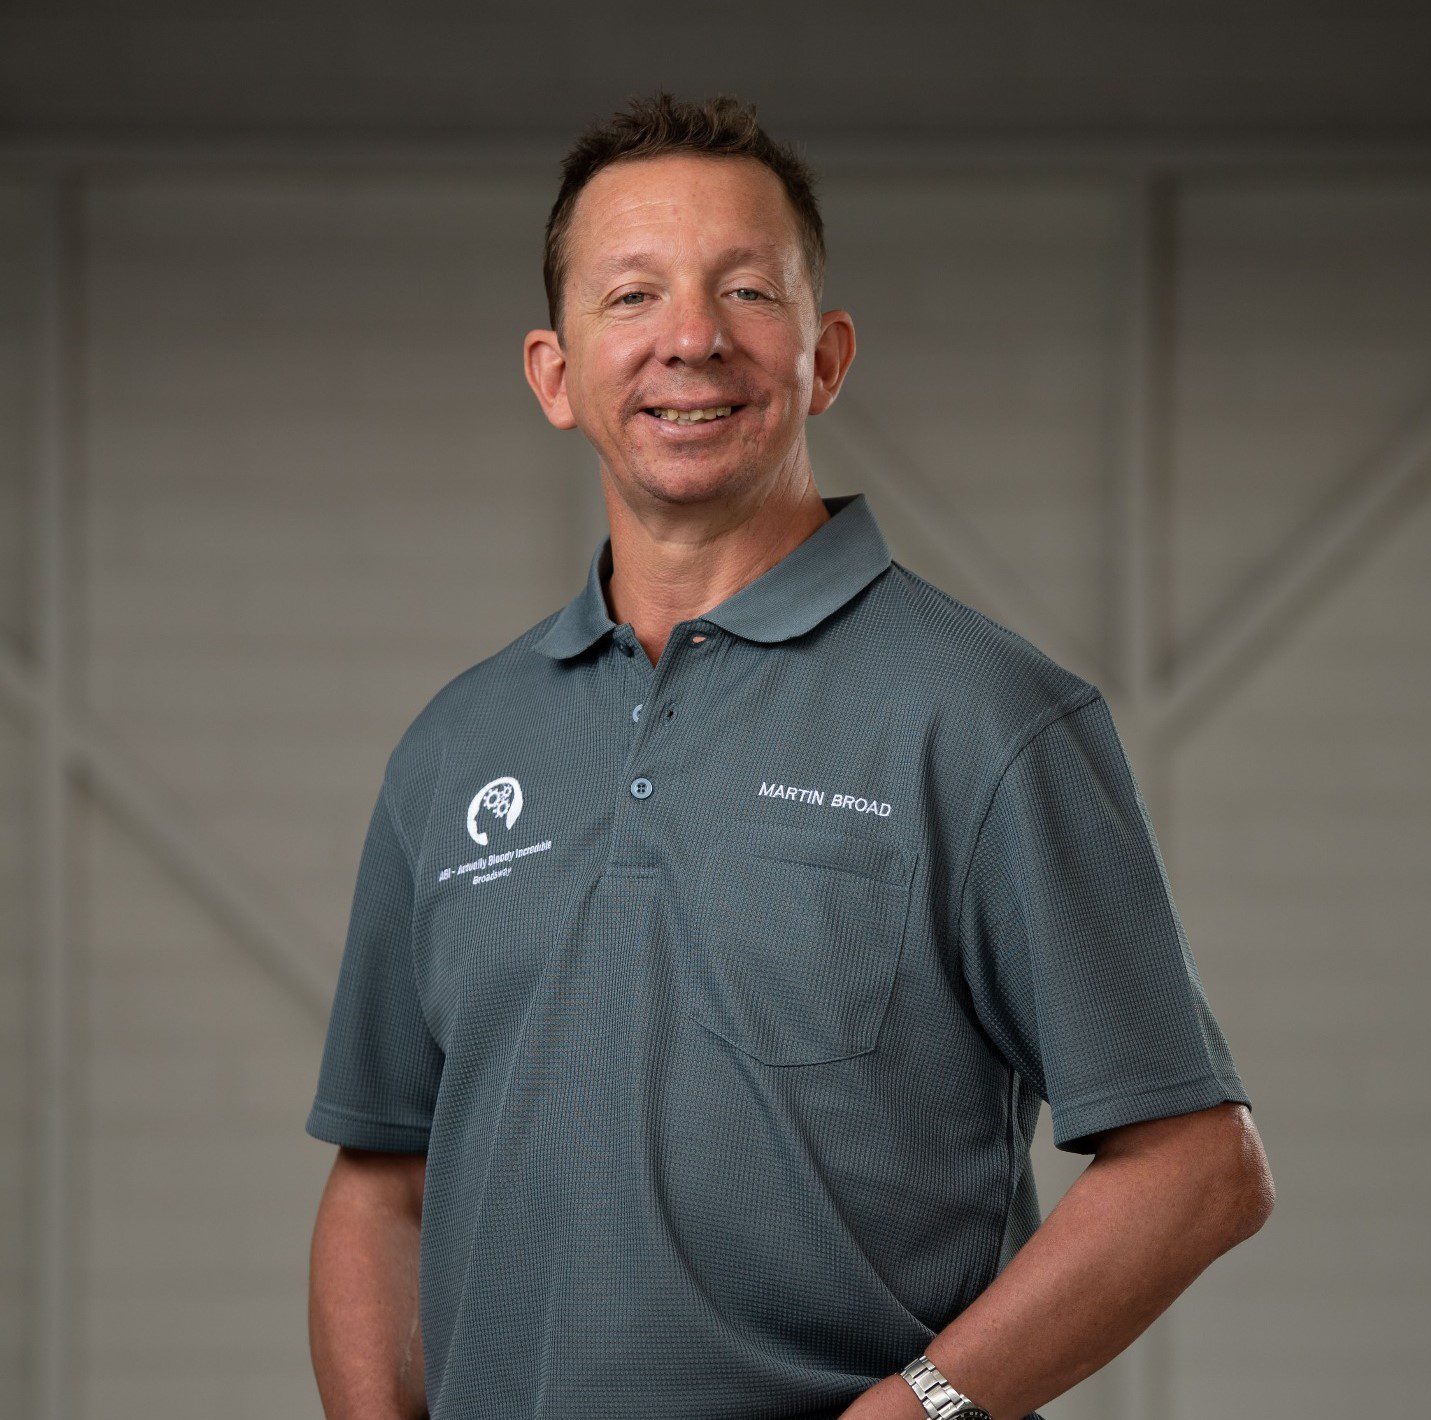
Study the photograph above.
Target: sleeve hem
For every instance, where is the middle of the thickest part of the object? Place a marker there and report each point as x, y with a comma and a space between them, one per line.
1072, 1126
360, 1131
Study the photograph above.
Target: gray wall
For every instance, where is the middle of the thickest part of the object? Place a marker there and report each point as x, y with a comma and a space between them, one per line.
271, 475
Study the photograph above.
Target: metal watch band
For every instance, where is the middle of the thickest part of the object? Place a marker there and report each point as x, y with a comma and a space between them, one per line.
939, 1399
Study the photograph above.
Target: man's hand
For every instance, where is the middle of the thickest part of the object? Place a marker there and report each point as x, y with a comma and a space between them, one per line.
1161, 1200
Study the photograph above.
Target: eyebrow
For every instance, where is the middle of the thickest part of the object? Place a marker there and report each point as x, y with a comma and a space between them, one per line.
764, 251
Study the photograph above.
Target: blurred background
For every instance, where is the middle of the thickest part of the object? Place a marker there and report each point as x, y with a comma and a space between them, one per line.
1143, 301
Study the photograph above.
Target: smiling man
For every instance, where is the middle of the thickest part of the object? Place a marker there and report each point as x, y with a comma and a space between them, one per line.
716, 942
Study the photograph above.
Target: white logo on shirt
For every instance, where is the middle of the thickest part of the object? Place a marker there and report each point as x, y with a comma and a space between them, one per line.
502, 797
500, 800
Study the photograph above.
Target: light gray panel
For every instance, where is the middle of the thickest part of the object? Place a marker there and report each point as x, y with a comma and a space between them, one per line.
987, 314
1303, 346
1302, 832
319, 485
198, 1187
19, 1101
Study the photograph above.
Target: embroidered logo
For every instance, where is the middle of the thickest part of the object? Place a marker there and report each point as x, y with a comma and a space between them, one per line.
502, 799
494, 803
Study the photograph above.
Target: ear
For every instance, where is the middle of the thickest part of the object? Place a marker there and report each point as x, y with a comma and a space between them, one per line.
834, 353
545, 369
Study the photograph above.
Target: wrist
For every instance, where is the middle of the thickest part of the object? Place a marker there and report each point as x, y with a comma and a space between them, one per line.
890, 1398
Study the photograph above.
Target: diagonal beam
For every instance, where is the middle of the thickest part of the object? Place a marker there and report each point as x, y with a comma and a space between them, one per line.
927, 513
264, 933
1303, 574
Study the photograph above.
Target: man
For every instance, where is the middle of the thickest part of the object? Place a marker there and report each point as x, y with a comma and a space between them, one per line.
715, 942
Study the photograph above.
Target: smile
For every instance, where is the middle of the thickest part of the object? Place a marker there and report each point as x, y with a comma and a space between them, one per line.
684, 426
692, 416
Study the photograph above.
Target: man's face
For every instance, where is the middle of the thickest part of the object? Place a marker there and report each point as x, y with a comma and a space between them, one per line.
686, 287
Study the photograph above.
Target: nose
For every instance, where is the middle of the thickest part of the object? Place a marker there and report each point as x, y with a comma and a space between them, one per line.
693, 328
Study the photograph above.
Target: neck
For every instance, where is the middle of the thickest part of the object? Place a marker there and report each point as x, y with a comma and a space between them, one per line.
676, 562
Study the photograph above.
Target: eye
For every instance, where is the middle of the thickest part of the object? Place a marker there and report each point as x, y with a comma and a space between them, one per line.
621, 299
753, 290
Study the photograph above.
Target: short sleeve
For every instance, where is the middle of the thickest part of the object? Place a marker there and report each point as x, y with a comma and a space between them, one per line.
377, 1083
1075, 956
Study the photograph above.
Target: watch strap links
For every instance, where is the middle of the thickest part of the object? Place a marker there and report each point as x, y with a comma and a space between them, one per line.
938, 1397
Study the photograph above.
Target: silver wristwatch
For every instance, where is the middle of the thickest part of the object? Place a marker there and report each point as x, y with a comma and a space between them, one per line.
939, 1399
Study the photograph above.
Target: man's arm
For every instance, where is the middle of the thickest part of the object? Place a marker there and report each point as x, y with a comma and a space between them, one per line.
363, 1288
1160, 1201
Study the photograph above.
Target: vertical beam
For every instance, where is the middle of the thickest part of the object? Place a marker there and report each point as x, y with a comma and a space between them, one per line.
55, 1046
1141, 540
1142, 606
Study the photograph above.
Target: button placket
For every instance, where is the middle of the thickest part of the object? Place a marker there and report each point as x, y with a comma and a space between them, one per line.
695, 637
623, 639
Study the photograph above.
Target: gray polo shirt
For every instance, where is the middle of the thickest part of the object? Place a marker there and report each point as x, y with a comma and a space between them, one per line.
723, 994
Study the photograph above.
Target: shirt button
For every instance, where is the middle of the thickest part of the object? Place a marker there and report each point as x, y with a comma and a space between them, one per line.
640, 788
636, 713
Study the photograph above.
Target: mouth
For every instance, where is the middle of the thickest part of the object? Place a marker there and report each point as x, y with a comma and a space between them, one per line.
689, 423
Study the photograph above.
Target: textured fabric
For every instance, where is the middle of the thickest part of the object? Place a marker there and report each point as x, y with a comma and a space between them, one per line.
723, 994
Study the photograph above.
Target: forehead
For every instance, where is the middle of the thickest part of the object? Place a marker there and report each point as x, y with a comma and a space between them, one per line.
681, 204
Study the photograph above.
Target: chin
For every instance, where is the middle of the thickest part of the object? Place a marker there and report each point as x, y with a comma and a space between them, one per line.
673, 483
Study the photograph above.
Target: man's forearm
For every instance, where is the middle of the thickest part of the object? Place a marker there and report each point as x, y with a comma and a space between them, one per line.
1127, 1238
363, 1310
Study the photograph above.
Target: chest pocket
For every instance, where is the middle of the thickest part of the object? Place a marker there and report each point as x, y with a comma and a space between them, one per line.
797, 936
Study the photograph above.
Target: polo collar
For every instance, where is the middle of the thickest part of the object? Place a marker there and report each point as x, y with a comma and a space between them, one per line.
813, 580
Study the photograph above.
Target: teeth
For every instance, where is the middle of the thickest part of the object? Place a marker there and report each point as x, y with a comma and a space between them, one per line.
692, 416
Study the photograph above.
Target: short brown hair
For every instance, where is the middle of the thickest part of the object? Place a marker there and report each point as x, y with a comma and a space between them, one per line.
720, 127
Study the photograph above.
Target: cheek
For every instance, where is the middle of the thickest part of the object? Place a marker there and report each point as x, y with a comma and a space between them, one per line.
622, 351
804, 367
788, 364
